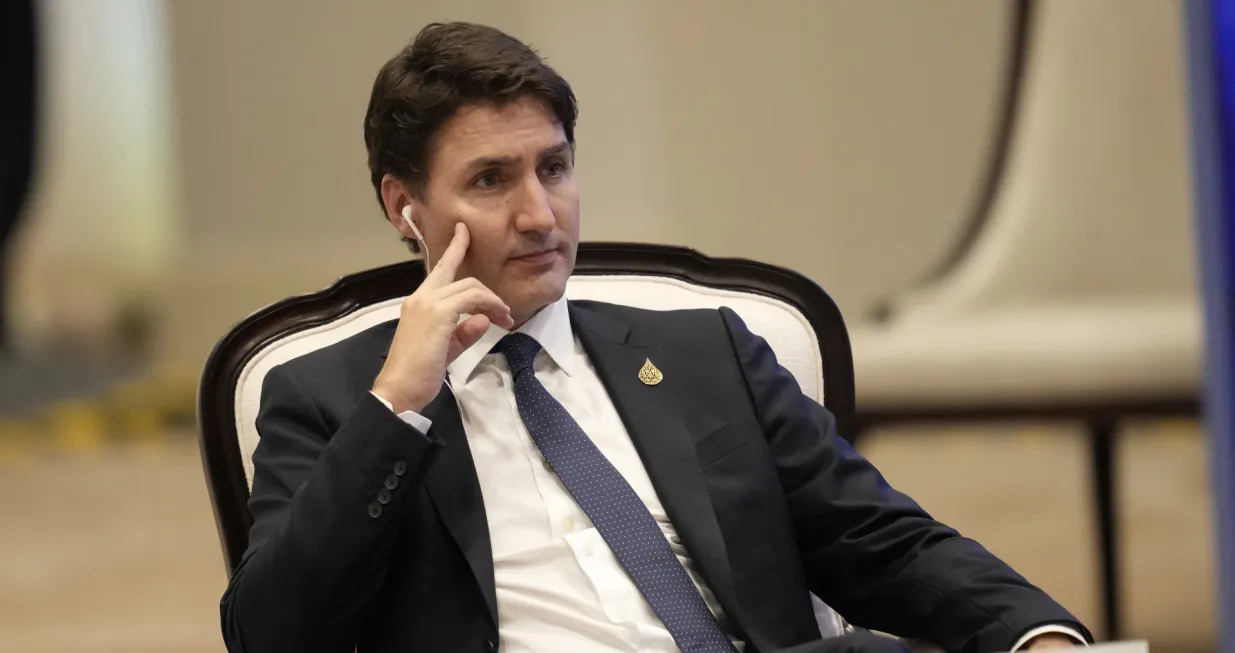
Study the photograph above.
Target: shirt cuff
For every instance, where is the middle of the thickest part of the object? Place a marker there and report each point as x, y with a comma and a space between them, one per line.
409, 417
1042, 630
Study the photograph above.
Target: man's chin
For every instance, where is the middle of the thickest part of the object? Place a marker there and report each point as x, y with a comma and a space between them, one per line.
535, 294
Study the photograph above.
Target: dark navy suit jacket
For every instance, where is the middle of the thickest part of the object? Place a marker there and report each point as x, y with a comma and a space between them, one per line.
770, 502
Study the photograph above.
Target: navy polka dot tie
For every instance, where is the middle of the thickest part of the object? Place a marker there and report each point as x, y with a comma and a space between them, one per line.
612, 505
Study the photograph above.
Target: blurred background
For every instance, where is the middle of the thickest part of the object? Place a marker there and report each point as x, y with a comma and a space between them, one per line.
996, 193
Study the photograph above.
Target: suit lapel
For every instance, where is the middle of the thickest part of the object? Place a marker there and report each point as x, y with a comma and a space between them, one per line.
455, 491
654, 420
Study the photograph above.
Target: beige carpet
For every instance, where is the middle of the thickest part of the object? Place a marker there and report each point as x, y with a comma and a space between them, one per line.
117, 550
1024, 492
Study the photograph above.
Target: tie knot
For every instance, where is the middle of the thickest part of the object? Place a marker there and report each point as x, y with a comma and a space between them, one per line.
520, 350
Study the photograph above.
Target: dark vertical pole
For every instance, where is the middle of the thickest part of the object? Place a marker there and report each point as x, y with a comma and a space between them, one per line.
17, 130
1102, 458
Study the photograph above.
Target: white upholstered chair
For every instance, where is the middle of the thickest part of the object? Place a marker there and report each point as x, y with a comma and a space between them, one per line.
1077, 298
796, 317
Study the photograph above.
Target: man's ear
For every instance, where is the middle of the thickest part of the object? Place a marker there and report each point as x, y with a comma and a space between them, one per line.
396, 197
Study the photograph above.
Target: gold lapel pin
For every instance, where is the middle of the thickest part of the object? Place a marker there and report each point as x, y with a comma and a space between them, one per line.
649, 375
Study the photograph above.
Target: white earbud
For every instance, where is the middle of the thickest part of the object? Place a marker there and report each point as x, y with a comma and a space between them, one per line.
407, 217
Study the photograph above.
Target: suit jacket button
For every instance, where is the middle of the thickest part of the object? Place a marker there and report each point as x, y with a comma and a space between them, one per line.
400, 467
392, 482
491, 645
383, 496
375, 510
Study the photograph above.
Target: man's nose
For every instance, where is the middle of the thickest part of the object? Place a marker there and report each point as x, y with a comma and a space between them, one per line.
533, 212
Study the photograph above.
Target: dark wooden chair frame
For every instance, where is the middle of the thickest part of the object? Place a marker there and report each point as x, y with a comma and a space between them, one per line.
218, 437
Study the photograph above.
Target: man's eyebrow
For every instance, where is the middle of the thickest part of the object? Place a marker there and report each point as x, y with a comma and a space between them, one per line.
492, 162
561, 148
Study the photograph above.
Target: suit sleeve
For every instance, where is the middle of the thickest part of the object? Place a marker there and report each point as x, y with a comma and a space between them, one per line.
869, 551
324, 520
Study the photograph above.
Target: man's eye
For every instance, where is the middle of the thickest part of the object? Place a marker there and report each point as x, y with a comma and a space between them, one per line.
555, 169
487, 180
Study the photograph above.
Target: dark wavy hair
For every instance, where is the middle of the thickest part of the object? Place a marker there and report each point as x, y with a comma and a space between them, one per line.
446, 67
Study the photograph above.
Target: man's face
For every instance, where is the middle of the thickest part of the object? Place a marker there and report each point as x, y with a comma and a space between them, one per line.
508, 174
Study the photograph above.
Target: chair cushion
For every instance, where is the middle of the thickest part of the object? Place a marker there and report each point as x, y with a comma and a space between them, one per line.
784, 327
294, 345
1031, 355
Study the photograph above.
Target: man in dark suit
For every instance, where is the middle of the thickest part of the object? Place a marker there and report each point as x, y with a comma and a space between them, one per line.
502, 468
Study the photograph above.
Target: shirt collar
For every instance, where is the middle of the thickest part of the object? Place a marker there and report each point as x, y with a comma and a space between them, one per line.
550, 327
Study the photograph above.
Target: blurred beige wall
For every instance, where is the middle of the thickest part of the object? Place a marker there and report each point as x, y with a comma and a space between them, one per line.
844, 139
847, 139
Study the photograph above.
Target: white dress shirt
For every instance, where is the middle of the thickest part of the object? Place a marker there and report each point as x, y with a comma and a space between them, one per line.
560, 589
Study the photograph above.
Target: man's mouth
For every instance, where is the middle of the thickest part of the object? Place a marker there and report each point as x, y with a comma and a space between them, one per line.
539, 257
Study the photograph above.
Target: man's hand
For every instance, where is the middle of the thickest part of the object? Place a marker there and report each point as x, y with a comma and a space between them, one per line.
1049, 641
430, 336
